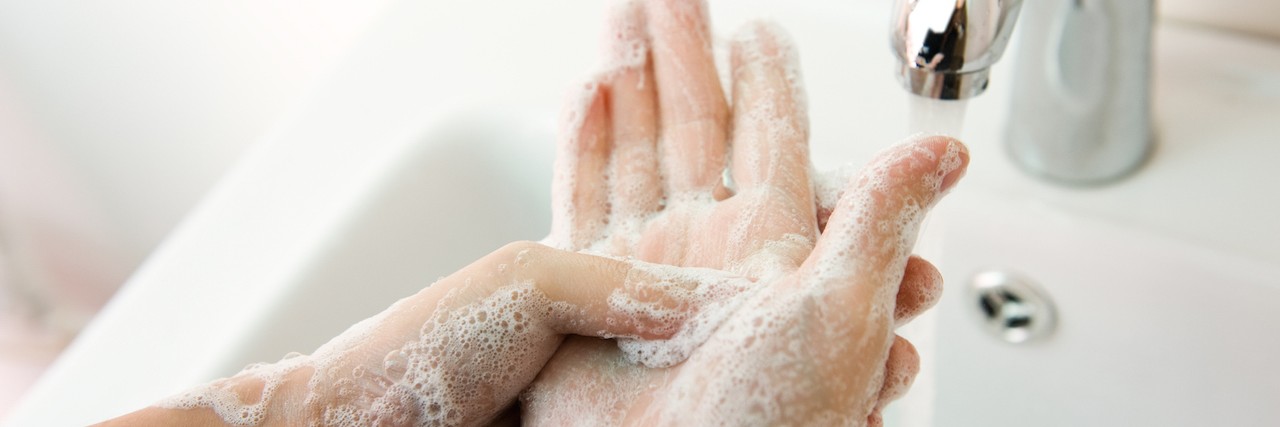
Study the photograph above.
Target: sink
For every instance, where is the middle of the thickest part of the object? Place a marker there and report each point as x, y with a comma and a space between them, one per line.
1164, 283
1150, 330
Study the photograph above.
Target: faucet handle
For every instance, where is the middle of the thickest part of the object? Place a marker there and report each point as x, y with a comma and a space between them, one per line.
1081, 110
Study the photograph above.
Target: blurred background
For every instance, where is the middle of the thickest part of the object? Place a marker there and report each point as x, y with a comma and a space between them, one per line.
116, 117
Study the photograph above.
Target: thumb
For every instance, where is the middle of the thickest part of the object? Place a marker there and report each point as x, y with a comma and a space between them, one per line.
863, 251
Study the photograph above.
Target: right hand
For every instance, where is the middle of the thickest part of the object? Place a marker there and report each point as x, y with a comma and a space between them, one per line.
639, 175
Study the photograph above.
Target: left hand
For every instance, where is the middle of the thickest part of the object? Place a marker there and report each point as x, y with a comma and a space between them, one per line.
457, 352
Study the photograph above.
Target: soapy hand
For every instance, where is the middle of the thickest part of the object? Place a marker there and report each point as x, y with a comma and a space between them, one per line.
458, 352
639, 175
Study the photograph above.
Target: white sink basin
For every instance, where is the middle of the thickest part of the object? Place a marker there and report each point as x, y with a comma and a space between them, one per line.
1166, 284
1151, 330
432, 144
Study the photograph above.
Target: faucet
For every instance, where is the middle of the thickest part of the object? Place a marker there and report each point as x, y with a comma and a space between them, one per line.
1081, 106
946, 48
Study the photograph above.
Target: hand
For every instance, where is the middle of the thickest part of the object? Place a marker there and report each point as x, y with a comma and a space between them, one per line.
459, 351
639, 175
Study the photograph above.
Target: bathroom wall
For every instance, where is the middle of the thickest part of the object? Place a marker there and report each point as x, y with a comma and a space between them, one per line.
1259, 17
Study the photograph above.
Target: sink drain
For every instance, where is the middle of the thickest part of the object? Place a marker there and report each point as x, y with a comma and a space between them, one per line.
1011, 308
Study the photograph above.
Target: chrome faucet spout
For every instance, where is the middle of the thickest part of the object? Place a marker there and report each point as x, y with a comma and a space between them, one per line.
946, 48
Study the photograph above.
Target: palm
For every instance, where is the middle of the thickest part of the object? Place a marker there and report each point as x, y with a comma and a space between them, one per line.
814, 339
727, 235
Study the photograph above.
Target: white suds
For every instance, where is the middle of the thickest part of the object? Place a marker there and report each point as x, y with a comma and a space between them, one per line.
713, 297
627, 40
462, 367
760, 351
765, 43
232, 398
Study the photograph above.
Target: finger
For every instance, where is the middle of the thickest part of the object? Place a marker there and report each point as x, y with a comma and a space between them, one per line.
921, 288
900, 371
604, 297
580, 199
692, 109
492, 326
861, 257
635, 184
770, 129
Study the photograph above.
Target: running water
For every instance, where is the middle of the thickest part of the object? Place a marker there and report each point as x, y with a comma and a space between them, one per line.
935, 116
926, 116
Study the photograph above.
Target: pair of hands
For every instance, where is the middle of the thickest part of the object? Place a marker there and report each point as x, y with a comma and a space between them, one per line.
782, 308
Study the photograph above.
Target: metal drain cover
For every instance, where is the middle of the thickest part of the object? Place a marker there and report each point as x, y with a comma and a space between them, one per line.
1011, 308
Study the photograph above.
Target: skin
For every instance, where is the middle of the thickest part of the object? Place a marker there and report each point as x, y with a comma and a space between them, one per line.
665, 124
646, 157
582, 283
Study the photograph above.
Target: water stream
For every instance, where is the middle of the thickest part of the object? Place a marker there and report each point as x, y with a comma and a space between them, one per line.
925, 115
